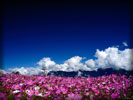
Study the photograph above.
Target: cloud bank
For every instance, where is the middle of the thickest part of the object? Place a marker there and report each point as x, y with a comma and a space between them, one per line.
26, 71
111, 57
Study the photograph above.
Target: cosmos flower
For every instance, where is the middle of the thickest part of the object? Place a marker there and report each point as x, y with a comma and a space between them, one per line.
87, 93
58, 92
114, 95
30, 92
16, 86
40, 94
16, 91
72, 96
37, 88
29, 82
68, 88
2, 95
63, 90
36, 92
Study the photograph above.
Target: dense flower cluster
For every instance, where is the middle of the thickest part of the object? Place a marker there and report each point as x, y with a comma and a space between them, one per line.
22, 87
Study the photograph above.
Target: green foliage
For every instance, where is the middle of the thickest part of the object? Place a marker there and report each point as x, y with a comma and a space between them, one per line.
23, 98
10, 97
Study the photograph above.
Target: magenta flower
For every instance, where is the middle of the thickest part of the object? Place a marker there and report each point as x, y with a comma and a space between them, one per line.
58, 92
63, 90
30, 92
36, 92
46, 94
87, 93
29, 82
68, 88
16, 86
2, 95
114, 95
72, 96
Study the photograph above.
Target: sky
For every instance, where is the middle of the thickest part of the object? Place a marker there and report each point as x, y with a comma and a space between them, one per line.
60, 31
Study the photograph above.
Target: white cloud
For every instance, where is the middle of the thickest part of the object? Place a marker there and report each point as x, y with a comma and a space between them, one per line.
111, 57
114, 58
25, 71
72, 64
91, 64
125, 44
46, 62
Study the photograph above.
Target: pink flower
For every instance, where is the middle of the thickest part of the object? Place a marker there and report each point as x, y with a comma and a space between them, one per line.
91, 97
29, 82
63, 90
114, 95
36, 92
16, 86
72, 96
30, 92
67, 88
2, 95
46, 94
50, 88
58, 92
87, 93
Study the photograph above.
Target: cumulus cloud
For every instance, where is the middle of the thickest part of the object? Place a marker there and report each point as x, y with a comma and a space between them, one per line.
125, 44
114, 58
72, 64
91, 64
111, 57
46, 62
25, 71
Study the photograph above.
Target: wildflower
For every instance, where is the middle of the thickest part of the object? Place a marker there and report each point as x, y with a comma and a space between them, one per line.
72, 96
2, 95
37, 88
87, 93
21, 84
16, 86
36, 92
91, 97
50, 88
58, 92
63, 90
98, 84
114, 95
46, 94
16, 91
103, 83
30, 92
40, 94
26, 91
30, 82
113, 88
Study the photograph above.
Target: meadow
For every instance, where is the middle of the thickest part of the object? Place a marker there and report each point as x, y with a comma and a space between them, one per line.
106, 87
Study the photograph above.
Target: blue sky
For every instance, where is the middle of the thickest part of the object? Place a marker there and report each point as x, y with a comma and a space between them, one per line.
61, 31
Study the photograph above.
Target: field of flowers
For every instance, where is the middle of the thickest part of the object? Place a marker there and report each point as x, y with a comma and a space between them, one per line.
22, 87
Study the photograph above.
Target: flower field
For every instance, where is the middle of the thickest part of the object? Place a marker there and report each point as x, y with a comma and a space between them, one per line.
22, 87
